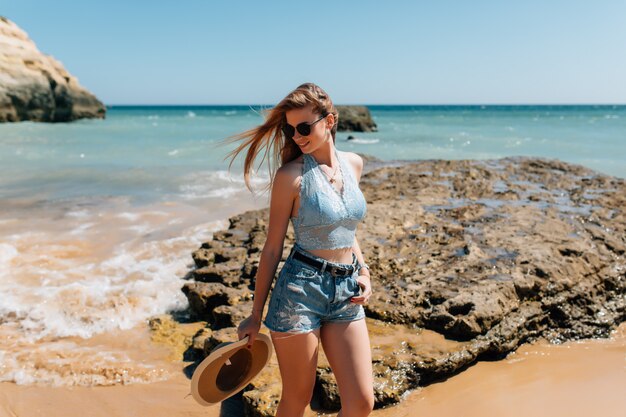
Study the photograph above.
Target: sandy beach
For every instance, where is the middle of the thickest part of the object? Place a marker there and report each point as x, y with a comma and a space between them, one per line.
540, 379
572, 379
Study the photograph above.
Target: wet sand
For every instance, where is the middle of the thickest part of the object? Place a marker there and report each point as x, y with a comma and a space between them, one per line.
583, 378
166, 398
572, 379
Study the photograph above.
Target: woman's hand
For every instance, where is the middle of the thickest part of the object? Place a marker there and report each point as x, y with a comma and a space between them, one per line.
249, 327
366, 290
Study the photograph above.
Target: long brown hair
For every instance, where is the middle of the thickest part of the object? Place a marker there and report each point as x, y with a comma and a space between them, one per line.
269, 135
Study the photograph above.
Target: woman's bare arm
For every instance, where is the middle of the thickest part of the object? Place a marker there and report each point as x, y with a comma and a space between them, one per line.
281, 203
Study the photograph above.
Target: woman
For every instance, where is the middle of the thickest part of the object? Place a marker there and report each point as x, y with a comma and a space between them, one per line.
321, 288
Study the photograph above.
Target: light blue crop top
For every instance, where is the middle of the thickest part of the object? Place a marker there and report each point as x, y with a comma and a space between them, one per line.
327, 219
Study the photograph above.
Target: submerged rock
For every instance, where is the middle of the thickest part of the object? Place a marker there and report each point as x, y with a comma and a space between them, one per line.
37, 87
469, 260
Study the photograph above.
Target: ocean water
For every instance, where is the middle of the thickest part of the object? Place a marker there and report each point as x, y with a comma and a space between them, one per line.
150, 152
98, 217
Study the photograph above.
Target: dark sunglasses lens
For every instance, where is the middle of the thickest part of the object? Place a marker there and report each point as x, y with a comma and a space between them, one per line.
304, 129
288, 130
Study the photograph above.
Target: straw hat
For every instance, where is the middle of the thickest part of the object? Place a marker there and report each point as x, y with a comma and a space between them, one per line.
229, 368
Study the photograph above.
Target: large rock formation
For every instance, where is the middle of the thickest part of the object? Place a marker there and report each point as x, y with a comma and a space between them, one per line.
355, 119
36, 87
469, 260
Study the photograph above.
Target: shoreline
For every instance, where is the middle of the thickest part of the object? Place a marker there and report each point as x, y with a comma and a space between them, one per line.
538, 378
388, 173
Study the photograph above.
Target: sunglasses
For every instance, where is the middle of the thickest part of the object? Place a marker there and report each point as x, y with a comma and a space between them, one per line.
303, 128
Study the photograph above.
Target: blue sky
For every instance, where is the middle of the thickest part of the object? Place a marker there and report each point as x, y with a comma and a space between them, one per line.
360, 52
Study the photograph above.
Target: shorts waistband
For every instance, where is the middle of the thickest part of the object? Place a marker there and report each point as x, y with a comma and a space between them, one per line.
335, 268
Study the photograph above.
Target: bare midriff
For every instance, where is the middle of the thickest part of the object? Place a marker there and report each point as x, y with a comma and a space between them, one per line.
342, 255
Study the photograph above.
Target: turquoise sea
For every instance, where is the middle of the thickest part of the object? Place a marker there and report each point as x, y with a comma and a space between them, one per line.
147, 151
98, 218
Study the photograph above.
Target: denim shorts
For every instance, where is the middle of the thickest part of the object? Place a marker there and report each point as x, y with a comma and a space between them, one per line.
304, 298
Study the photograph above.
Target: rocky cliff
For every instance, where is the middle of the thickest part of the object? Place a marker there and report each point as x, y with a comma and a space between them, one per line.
35, 86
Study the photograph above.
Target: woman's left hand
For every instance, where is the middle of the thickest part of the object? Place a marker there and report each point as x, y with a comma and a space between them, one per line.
366, 290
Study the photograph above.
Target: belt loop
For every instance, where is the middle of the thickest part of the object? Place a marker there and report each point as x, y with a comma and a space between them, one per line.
324, 267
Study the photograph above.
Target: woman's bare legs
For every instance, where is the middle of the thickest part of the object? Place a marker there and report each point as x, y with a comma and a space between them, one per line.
297, 360
347, 347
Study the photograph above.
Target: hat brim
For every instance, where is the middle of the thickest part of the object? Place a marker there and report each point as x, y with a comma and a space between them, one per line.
229, 368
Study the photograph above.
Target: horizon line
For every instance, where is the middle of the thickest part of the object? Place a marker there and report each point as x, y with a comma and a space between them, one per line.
377, 104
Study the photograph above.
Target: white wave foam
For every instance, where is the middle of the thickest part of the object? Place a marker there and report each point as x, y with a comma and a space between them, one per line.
133, 217
83, 299
7, 254
80, 230
364, 141
58, 291
74, 270
216, 184
191, 114
197, 191
65, 363
78, 214
140, 228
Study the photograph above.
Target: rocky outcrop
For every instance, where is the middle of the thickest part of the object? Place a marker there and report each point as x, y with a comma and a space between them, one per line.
36, 87
355, 119
469, 259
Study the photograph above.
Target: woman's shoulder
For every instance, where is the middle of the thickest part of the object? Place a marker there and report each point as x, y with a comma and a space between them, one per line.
289, 174
355, 161
353, 157
292, 168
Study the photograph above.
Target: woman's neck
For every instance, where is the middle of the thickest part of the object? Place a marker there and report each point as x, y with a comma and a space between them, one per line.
325, 155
